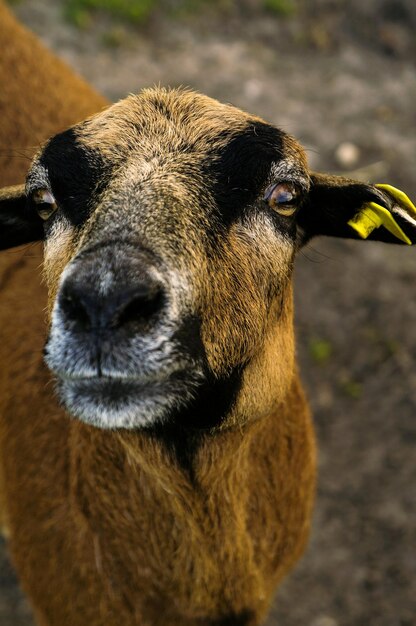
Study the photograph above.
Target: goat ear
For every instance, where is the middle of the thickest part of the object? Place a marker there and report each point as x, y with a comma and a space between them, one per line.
18, 225
340, 207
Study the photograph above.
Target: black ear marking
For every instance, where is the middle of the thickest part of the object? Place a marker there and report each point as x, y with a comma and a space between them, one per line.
18, 225
333, 202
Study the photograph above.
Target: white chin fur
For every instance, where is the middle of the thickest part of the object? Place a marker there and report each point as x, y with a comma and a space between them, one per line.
138, 410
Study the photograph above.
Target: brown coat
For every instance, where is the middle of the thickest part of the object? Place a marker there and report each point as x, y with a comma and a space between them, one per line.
105, 525
175, 525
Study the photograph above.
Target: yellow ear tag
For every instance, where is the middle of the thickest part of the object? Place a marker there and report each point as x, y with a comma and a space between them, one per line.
373, 215
400, 196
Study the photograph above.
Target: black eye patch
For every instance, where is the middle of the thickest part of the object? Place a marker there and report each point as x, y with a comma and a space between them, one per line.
240, 169
76, 174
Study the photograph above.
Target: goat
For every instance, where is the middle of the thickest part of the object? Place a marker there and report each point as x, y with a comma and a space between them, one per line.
175, 483
182, 493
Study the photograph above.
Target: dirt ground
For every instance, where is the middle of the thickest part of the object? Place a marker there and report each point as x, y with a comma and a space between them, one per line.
327, 76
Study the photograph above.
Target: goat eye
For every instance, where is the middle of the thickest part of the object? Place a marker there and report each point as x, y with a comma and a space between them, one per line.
45, 203
283, 198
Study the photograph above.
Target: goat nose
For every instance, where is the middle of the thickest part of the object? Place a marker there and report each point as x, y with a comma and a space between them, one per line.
85, 307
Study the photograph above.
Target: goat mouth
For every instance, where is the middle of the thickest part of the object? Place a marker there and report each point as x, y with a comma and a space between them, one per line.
126, 401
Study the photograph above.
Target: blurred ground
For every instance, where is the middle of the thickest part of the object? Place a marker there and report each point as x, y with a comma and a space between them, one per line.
328, 75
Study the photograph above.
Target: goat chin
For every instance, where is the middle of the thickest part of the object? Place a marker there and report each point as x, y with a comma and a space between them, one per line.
116, 403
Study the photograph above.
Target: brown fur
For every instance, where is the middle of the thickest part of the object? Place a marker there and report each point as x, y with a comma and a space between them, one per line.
39, 96
107, 526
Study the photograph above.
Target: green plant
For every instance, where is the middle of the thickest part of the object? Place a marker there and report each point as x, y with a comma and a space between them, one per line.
280, 7
352, 389
136, 11
320, 350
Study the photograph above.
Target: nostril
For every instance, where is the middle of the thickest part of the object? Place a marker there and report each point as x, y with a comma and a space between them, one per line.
74, 308
143, 305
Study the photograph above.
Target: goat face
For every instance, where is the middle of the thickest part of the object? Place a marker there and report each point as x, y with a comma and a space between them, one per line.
171, 223
163, 262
